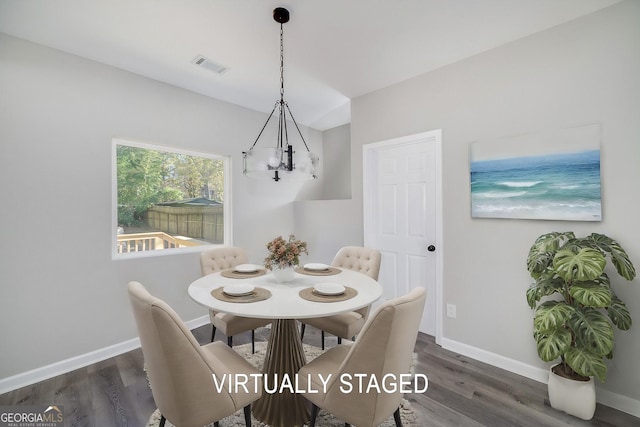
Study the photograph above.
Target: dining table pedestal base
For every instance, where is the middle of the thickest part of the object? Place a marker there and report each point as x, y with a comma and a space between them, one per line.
278, 406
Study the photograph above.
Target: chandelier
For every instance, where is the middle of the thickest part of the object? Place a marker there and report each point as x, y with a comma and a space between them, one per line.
280, 162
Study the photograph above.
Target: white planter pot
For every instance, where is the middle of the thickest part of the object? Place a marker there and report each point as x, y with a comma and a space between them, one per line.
577, 398
284, 275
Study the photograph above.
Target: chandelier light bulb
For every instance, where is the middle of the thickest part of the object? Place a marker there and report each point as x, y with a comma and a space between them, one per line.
274, 162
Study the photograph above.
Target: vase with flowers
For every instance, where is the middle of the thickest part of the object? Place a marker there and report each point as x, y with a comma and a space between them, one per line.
284, 257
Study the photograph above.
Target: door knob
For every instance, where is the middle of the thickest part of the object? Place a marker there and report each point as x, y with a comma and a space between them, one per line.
431, 248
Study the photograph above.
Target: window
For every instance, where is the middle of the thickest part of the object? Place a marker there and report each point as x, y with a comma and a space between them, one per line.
166, 199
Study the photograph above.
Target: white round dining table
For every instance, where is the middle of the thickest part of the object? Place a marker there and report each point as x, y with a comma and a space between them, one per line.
285, 301
285, 354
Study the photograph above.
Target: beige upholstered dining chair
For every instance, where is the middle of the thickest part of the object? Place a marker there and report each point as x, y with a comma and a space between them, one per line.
180, 370
347, 325
219, 259
384, 347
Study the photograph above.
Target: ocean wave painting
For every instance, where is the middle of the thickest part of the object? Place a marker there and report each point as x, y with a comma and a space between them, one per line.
553, 186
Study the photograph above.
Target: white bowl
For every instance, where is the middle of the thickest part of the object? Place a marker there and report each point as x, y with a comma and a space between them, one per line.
316, 266
328, 288
238, 289
246, 268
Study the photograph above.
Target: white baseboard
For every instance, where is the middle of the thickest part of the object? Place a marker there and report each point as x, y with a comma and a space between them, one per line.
493, 359
62, 367
618, 401
197, 322
605, 397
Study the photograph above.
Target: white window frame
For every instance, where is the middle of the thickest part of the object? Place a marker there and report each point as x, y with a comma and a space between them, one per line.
227, 212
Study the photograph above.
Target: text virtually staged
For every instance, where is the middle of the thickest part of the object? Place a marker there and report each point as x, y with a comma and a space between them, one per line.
348, 383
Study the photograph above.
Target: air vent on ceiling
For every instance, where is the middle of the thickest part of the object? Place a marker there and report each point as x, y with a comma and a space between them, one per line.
204, 62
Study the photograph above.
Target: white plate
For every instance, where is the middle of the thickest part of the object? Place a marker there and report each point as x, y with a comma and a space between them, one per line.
328, 288
238, 289
316, 266
246, 268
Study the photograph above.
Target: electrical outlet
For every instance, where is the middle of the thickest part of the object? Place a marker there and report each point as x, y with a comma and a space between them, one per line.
451, 310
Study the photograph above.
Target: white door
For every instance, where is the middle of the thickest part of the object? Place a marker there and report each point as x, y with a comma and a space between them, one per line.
402, 206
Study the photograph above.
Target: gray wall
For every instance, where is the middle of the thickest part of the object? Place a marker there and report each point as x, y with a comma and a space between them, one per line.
326, 226
61, 294
336, 145
581, 72
331, 223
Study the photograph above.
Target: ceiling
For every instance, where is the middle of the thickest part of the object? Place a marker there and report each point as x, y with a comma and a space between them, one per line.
335, 50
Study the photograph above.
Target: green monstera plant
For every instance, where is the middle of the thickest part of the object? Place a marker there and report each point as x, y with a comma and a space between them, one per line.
576, 322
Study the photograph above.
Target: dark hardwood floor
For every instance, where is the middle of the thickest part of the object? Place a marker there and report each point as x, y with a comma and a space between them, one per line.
462, 392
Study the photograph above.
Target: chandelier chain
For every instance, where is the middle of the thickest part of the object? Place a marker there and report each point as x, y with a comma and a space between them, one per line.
281, 64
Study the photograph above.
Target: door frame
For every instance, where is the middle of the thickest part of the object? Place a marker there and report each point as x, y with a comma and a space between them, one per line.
368, 172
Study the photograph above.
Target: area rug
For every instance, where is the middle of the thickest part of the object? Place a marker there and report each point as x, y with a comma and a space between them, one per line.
324, 419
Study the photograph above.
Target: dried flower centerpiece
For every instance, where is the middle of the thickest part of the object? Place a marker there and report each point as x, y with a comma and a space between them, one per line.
284, 256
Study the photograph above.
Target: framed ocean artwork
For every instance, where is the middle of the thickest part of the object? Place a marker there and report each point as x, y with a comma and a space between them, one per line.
551, 175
